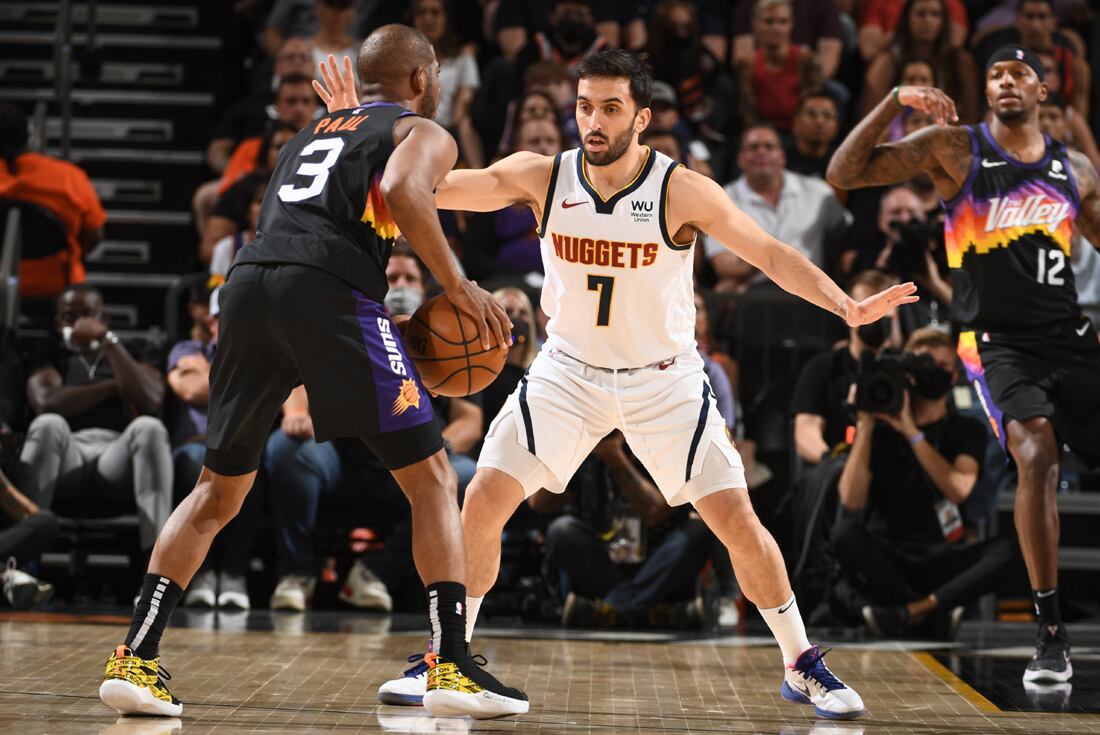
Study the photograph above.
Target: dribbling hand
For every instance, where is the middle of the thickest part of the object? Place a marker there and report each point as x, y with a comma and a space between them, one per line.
338, 91
873, 308
930, 100
491, 319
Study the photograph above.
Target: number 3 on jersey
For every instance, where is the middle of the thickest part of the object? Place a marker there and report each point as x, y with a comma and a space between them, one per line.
604, 285
318, 171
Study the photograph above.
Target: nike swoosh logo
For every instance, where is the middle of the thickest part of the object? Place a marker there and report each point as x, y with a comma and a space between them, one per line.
785, 609
1084, 328
993, 164
567, 205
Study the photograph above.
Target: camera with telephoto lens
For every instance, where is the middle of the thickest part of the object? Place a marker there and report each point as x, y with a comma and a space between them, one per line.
883, 380
915, 237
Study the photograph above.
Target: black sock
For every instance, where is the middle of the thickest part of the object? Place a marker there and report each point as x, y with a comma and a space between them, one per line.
159, 597
1046, 606
447, 616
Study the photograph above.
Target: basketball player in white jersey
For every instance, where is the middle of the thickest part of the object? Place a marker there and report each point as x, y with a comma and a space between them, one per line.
618, 222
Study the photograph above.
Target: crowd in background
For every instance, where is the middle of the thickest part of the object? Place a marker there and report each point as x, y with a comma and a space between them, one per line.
753, 93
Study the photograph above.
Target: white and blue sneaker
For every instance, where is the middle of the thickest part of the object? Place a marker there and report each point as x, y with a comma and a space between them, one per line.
809, 681
408, 690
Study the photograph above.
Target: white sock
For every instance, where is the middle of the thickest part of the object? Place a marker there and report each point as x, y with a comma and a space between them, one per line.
473, 604
786, 625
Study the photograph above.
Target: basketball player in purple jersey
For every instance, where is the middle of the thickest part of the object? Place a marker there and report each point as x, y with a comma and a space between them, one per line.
1011, 197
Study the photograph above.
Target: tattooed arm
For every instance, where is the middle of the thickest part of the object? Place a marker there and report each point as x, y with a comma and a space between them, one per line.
1088, 188
941, 151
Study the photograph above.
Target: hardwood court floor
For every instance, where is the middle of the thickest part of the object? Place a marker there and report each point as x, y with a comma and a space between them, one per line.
299, 681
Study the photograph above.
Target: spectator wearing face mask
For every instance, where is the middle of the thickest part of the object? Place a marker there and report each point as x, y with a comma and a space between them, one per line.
822, 417
900, 538
95, 445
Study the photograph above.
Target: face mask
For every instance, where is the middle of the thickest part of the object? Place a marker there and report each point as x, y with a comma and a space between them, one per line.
875, 334
933, 384
573, 35
67, 340
404, 300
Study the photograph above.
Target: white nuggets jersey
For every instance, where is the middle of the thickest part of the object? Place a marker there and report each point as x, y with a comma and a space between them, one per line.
618, 290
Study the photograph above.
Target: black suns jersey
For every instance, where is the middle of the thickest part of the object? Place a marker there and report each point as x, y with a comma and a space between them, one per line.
1007, 235
324, 206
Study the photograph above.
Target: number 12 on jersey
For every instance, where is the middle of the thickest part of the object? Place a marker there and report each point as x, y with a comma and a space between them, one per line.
604, 285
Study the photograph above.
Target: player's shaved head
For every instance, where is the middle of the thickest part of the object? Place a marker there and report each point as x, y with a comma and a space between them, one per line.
392, 53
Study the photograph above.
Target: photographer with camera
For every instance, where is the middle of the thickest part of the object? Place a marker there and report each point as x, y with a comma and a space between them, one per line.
822, 417
914, 251
900, 536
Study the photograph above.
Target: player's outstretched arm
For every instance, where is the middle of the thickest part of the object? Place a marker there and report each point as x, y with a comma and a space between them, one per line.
418, 163
1088, 188
697, 201
520, 178
862, 161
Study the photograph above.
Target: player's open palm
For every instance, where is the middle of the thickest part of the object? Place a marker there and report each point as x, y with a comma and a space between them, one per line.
930, 100
493, 325
873, 308
338, 91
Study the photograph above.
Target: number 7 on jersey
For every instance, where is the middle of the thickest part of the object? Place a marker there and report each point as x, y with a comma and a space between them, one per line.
604, 285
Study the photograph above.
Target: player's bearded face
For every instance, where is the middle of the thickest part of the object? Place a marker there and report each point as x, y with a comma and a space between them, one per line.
429, 103
1013, 91
613, 147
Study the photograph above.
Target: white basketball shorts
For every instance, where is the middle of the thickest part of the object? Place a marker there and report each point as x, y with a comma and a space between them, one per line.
667, 412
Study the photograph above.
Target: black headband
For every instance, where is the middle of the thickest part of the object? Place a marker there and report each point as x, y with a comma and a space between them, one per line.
1016, 53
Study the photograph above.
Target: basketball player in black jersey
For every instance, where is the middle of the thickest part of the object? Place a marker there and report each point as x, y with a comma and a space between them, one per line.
303, 304
1011, 197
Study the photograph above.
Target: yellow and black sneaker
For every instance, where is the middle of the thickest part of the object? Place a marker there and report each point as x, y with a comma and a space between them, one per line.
464, 688
134, 686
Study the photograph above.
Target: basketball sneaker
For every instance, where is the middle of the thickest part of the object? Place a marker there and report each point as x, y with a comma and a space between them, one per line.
407, 690
23, 591
134, 686
809, 681
1051, 659
464, 688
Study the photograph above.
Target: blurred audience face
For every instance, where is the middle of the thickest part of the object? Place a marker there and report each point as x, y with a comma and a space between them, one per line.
335, 17
517, 309
75, 304
918, 74
1036, 23
404, 272
536, 107
539, 136
944, 358
1051, 77
296, 104
430, 18
572, 27
295, 56
926, 19
772, 25
278, 140
1052, 121
607, 118
678, 25
761, 157
915, 121
816, 121
898, 207
702, 319
666, 143
1012, 90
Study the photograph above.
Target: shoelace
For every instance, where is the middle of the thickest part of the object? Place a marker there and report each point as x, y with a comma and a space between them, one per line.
418, 665
820, 672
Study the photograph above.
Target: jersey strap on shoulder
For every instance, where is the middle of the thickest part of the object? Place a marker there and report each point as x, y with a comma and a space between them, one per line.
548, 200
662, 211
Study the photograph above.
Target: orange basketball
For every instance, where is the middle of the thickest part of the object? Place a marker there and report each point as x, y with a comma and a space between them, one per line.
444, 344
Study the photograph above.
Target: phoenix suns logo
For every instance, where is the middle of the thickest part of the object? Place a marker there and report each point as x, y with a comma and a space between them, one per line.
408, 397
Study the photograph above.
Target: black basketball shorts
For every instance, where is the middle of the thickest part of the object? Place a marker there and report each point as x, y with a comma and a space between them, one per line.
284, 325
1054, 373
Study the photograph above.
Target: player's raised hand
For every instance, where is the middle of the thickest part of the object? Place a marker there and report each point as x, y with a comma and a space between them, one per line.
492, 321
873, 308
930, 100
339, 90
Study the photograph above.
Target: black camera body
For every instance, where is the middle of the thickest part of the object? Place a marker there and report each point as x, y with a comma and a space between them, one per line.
883, 380
915, 237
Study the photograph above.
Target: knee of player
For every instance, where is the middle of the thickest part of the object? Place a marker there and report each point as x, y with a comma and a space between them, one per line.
1033, 445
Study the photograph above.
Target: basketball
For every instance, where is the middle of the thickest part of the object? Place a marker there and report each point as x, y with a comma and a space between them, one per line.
444, 344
